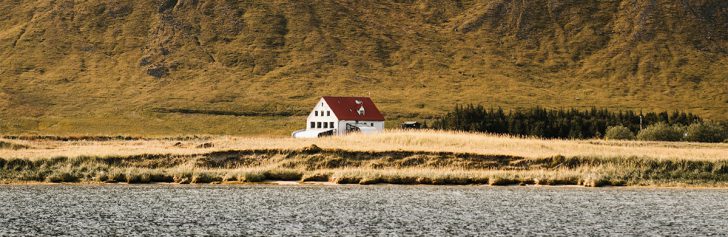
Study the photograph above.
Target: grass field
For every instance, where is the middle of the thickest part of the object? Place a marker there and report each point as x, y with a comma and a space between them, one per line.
154, 125
399, 157
160, 125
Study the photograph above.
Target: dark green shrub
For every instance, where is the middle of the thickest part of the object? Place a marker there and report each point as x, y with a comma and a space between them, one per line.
548, 123
705, 132
619, 133
661, 132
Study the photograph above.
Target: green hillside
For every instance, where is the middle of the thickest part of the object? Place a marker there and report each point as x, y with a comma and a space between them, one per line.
124, 66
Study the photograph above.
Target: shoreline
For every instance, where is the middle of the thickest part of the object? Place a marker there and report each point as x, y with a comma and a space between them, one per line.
274, 183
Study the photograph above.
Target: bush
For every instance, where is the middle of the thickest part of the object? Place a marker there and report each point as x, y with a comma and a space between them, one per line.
661, 132
705, 132
619, 133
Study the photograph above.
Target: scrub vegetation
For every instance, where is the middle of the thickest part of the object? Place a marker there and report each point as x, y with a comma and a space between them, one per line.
581, 124
395, 157
619, 133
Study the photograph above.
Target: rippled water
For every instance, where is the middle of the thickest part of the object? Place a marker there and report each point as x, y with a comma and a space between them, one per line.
358, 210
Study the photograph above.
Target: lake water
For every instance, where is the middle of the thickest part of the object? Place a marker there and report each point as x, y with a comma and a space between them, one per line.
172, 210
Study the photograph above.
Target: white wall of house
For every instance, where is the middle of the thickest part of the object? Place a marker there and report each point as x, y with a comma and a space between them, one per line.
379, 125
322, 118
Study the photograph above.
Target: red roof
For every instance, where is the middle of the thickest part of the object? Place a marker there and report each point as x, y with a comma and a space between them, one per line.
347, 108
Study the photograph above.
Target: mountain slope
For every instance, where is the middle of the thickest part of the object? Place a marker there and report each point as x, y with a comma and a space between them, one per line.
127, 59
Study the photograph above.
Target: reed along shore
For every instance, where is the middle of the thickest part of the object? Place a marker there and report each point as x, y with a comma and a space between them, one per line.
193, 160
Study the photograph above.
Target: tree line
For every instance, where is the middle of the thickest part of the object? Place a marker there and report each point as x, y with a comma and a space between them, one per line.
555, 123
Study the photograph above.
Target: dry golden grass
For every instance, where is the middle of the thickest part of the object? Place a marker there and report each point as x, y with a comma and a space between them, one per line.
391, 140
396, 157
186, 174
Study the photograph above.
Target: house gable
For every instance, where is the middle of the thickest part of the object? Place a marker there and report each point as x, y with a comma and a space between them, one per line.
321, 117
322, 110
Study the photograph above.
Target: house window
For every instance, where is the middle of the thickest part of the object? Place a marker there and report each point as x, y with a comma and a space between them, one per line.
326, 125
318, 124
331, 124
372, 124
313, 124
328, 113
315, 113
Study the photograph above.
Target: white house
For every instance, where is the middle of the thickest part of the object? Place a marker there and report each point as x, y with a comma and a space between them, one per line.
341, 115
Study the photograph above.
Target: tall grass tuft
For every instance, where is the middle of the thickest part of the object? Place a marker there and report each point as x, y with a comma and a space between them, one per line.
283, 174
12, 146
316, 176
206, 177
62, 177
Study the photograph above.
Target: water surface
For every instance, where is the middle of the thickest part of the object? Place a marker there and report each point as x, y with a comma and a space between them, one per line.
174, 210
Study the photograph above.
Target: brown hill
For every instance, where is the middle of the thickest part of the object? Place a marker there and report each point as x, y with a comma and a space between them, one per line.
67, 65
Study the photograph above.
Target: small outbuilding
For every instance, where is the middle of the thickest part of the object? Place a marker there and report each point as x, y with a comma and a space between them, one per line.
334, 115
411, 125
